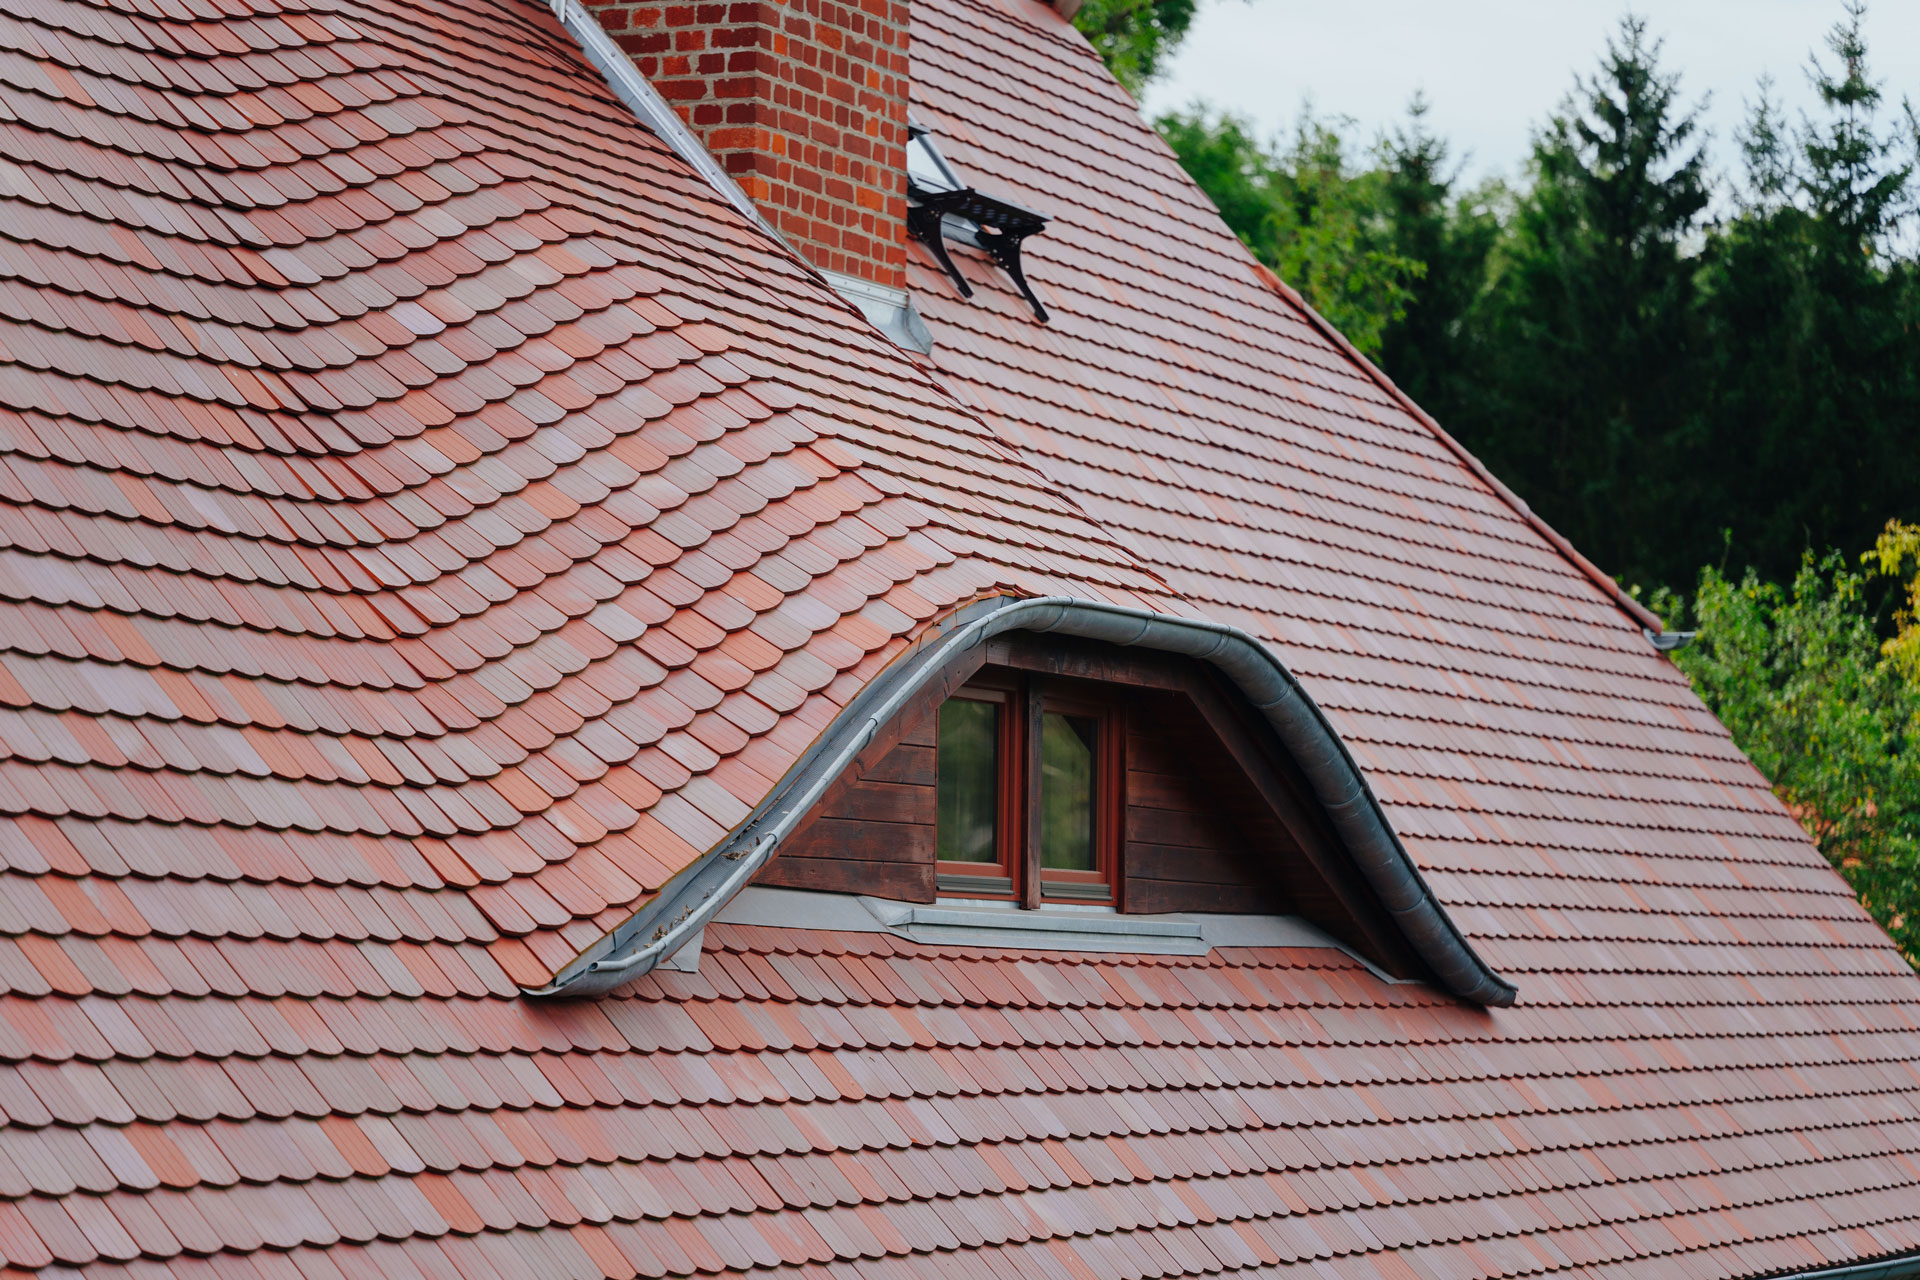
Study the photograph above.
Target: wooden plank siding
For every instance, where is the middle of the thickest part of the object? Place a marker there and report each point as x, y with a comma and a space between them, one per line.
1198, 837
873, 830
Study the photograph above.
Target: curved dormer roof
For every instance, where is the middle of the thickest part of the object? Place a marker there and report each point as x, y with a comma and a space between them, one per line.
501, 518
390, 487
699, 895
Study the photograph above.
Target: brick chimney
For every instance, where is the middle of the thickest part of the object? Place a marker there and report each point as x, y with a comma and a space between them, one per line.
804, 102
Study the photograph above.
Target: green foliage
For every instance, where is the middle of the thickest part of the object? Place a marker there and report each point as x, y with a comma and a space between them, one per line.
1430, 345
1584, 388
1135, 37
1810, 363
1853, 181
1309, 211
1235, 169
1666, 386
1798, 679
1899, 548
1647, 371
1668, 383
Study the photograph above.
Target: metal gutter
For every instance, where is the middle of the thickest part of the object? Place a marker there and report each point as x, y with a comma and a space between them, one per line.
693, 897
1904, 1267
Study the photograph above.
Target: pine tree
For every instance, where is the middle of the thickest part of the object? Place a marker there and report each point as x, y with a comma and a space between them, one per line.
1429, 349
1587, 323
1650, 380
1863, 390
1811, 355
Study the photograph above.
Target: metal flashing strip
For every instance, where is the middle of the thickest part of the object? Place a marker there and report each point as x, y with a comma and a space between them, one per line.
611, 61
773, 908
891, 311
1043, 930
1904, 1267
699, 891
1057, 928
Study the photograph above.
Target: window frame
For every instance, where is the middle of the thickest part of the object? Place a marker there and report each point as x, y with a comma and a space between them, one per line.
983, 879
1016, 875
1106, 818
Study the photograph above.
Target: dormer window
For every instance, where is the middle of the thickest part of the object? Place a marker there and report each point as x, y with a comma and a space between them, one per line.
941, 207
1026, 792
1071, 779
971, 833
1078, 798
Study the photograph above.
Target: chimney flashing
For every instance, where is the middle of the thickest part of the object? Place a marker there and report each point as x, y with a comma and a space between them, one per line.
652, 110
802, 103
891, 311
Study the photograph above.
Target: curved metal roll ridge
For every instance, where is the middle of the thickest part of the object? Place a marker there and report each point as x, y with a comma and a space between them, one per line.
694, 896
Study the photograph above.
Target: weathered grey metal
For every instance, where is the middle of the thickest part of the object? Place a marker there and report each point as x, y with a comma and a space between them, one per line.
889, 310
652, 110
697, 893
1905, 1267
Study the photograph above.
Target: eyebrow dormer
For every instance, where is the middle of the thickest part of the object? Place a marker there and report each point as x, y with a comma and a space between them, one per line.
1056, 755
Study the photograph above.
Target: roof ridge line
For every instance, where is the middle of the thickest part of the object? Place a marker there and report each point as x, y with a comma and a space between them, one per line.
1555, 539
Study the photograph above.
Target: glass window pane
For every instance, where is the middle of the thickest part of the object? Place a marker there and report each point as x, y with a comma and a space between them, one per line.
969, 783
1066, 792
924, 169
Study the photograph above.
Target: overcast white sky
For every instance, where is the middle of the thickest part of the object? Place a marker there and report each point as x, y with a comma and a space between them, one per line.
1494, 68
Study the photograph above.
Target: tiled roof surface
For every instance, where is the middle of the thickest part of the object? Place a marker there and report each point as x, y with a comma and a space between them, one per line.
428, 517
1587, 823
390, 496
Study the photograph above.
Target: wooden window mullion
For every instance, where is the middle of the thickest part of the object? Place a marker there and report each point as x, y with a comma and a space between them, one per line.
1111, 823
1027, 710
1029, 852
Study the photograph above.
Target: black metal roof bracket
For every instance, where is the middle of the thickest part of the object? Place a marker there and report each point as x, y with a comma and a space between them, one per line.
1002, 224
924, 225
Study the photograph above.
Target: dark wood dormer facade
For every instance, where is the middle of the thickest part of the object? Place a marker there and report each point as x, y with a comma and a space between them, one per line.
1192, 807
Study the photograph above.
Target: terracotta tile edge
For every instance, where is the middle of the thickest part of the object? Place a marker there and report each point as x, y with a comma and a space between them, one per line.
1639, 613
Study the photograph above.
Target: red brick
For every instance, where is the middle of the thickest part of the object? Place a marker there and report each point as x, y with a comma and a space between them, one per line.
827, 75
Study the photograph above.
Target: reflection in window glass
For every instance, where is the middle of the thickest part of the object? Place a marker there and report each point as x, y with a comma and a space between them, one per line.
925, 168
1066, 792
969, 781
